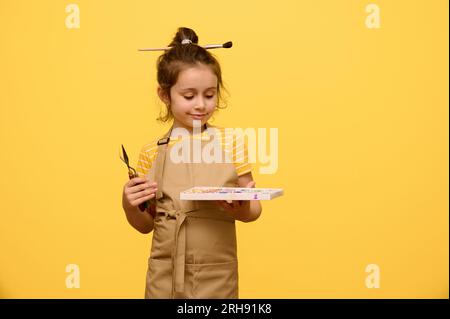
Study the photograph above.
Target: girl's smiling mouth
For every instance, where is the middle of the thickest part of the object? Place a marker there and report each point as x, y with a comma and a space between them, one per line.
197, 116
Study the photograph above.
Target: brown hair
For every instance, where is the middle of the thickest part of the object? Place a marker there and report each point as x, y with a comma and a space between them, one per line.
179, 57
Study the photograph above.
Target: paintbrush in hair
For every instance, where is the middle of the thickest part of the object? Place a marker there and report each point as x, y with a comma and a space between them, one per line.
226, 45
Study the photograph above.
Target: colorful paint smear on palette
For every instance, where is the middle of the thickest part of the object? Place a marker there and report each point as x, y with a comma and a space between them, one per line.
230, 193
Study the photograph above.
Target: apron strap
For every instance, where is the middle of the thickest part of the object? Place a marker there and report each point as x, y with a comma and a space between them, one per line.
159, 162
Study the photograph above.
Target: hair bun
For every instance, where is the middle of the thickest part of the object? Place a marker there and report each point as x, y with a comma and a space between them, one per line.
184, 34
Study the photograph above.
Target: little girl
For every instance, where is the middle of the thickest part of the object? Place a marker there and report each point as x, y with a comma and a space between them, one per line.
193, 252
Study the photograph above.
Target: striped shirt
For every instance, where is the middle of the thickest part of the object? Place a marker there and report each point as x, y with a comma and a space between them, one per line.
233, 145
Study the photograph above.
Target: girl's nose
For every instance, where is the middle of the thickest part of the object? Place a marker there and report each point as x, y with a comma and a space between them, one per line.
200, 105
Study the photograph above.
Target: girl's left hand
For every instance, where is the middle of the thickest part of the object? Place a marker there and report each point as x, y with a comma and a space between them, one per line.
237, 207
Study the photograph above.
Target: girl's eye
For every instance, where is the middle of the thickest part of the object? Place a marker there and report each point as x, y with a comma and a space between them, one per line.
190, 97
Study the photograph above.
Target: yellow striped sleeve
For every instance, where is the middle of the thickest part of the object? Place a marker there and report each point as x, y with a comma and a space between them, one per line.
244, 166
146, 158
240, 156
237, 146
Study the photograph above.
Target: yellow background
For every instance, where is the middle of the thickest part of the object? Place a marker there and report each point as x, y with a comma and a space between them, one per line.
363, 142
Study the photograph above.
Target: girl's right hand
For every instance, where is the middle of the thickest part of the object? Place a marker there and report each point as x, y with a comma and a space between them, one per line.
136, 191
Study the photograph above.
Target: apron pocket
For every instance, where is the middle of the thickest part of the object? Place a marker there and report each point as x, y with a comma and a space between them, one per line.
215, 281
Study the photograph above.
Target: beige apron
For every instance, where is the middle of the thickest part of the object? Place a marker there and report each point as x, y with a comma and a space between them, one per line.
193, 252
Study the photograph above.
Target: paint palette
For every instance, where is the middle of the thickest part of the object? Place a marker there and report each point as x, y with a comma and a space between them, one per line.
230, 193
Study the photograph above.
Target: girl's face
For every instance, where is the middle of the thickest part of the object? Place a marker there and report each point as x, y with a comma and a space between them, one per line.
194, 96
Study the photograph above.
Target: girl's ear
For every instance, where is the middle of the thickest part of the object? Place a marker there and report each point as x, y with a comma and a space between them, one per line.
162, 95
